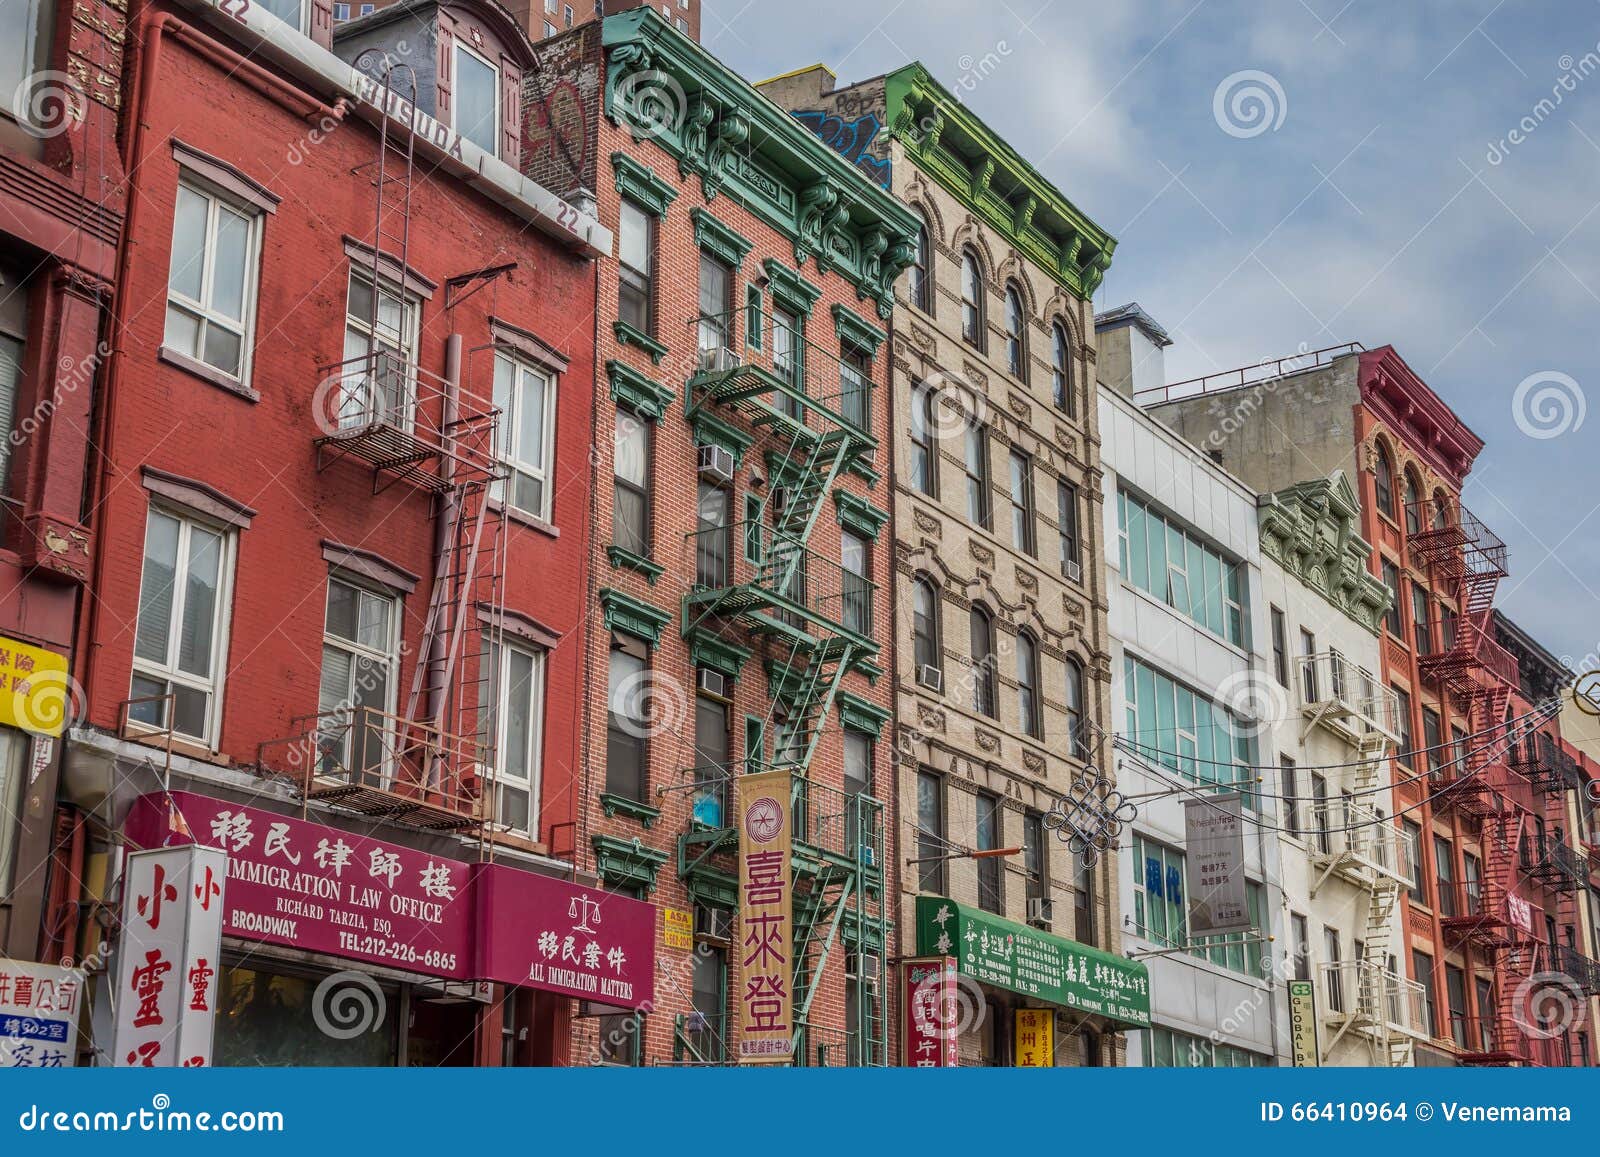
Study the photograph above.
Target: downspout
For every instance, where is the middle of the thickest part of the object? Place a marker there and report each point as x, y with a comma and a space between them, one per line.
435, 647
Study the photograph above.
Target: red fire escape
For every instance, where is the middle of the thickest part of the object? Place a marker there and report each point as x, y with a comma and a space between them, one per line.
1492, 913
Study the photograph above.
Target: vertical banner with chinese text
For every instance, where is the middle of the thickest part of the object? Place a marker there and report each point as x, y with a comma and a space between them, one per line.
932, 1013
766, 925
1214, 835
169, 957
1036, 1038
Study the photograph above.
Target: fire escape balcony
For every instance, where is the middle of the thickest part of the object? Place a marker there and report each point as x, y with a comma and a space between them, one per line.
1543, 764
771, 582
1350, 840
1580, 969
405, 423
382, 766
1554, 865
1453, 543
1359, 996
1473, 913
1348, 700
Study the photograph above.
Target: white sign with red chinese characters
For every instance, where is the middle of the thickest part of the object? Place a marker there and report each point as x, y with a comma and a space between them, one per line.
167, 964
38, 1015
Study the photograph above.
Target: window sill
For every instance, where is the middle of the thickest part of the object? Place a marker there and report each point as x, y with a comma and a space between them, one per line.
622, 558
147, 736
616, 804
208, 374
523, 518
627, 335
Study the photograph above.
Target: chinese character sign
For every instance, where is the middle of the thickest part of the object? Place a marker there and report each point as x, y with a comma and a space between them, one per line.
932, 1013
1303, 1024
766, 925
38, 1015
1214, 832
1036, 1038
168, 958
35, 692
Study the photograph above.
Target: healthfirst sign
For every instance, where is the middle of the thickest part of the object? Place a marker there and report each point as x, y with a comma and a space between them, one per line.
1002, 953
327, 890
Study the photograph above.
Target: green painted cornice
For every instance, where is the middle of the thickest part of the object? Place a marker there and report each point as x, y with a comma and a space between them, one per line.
710, 430
860, 714
627, 862
707, 648
622, 612
949, 143
640, 184
1312, 530
718, 127
859, 515
789, 289
713, 235
855, 330
635, 391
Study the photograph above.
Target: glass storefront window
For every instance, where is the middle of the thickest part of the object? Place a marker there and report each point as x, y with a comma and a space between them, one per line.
271, 1019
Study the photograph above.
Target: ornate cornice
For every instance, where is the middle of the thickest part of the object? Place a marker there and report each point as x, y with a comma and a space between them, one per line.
637, 392
740, 143
640, 184
943, 138
622, 612
1417, 415
1312, 530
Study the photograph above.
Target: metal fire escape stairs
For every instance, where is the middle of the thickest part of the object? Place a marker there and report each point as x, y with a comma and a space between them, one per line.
763, 579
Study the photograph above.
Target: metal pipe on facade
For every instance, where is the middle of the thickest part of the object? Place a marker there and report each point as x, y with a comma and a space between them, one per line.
444, 521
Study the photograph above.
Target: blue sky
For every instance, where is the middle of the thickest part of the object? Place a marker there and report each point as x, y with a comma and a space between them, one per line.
1386, 201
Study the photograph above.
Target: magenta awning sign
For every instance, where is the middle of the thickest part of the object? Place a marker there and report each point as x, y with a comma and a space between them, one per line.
546, 933
294, 882
322, 889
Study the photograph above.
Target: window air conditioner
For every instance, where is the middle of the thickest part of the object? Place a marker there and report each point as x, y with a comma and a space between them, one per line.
1041, 910
931, 677
716, 464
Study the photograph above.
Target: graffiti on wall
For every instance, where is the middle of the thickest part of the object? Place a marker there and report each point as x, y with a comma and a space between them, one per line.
557, 137
851, 139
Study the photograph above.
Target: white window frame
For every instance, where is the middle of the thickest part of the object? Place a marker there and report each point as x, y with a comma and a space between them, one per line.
169, 672
534, 783
410, 320
510, 430
252, 279
390, 656
303, 24
455, 105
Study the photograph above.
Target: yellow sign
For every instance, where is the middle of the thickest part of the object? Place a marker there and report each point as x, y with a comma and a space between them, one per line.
766, 919
1036, 1038
1303, 1024
36, 693
677, 928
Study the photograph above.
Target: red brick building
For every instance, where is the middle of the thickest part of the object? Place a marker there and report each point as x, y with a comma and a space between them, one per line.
343, 519
61, 211
742, 565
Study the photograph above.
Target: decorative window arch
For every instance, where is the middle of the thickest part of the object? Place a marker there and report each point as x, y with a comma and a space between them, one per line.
922, 269
1383, 479
1441, 510
983, 660
1412, 496
1061, 369
1016, 333
1029, 717
925, 624
973, 325
1077, 732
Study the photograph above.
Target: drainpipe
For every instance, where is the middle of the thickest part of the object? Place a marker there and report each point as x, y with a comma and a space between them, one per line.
436, 649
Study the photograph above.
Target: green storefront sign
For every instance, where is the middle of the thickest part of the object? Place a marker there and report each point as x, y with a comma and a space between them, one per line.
993, 950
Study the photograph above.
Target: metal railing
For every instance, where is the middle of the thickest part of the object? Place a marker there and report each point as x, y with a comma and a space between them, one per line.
702, 1038
795, 582
1351, 834
1360, 990
1257, 373
1345, 693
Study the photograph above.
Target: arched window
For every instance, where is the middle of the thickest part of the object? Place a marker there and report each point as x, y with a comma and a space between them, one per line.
1413, 500
1383, 481
925, 632
1077, 733
922, 271
1441, 510
972, 325
1016, 334
1028, 715
1061, 370
982, 661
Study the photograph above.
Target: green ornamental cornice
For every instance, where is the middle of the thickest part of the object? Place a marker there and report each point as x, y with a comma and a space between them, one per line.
948, 142
715, 237
789, 289
710, 430
860, 714
855, 330
640, 184
1312, 530
627, 862
707, 648
664, 87
622, 612
636, 392
859, 515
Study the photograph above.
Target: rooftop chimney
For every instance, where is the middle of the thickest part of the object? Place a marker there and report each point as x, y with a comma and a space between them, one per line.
1131, 344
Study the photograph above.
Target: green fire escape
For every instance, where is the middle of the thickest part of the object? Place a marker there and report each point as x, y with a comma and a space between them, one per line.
807, 411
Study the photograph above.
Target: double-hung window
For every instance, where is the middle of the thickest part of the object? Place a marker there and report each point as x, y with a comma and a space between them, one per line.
211, 285
932, 848
924, 450
977, 456
379, 348
856, 589
716, 300
636, 251
360, 659
180, 645
526, 398
1022, 512
477, 100
630, 512
855, 372
628, 728
991, 892
1067, 527
513, 725
25, 28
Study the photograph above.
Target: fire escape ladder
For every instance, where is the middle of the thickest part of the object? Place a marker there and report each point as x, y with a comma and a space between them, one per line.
828, 909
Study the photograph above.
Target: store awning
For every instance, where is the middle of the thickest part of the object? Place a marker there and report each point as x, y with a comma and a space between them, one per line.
1000, 952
